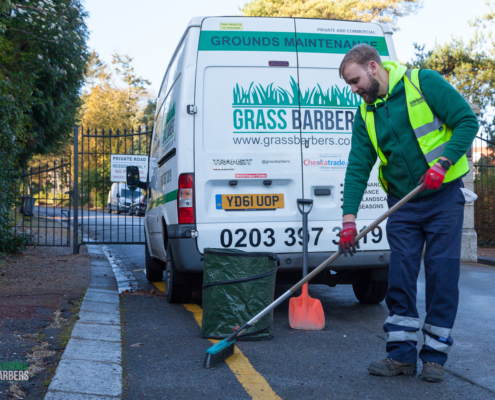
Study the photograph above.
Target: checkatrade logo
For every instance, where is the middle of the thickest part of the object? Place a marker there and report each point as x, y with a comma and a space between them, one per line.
325, 163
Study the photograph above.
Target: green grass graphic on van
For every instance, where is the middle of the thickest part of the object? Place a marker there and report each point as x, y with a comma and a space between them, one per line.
170, 114
169, 126
277, 96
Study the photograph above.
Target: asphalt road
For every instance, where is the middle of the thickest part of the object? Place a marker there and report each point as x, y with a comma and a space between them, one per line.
167, 356
100, 226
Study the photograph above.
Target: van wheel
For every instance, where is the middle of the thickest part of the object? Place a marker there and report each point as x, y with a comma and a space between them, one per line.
154, 268
368, 291
109, 208
178, 286
118, 210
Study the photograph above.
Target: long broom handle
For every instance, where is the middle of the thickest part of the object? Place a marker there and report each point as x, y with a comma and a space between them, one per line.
324, 264
363, 233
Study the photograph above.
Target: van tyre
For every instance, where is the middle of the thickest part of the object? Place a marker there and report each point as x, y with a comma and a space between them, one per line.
178, 286
109, 207
154, 268
368, 291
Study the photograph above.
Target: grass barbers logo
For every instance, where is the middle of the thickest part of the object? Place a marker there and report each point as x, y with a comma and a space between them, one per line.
270, 108
12, 371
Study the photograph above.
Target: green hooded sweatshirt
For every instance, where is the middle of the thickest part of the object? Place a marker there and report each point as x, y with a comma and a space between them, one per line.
406, 162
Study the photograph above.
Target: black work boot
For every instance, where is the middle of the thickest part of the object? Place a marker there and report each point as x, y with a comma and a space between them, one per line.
432, 372
389, 367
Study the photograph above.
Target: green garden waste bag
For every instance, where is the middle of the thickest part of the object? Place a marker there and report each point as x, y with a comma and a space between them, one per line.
237, 285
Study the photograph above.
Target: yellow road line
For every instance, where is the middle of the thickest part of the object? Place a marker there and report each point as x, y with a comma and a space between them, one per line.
160, 286
254, 384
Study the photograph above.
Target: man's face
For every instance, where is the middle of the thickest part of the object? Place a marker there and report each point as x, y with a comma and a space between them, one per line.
362, 82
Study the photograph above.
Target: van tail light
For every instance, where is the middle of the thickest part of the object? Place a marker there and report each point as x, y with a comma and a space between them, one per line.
185, 198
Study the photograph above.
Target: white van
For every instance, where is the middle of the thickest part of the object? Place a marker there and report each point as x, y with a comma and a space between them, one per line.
234, 146
121, 197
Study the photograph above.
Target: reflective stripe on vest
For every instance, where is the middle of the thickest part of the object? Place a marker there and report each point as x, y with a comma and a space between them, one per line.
430, 131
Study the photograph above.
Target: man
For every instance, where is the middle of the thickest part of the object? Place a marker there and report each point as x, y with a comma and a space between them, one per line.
420, 128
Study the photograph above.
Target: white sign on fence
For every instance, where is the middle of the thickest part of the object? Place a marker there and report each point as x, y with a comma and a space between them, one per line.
119, 163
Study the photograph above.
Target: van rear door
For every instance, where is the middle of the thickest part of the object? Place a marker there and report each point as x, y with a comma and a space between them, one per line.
247, 151
327, 113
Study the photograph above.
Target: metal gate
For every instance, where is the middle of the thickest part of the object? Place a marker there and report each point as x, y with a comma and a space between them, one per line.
484, 186
94, 189
43, 203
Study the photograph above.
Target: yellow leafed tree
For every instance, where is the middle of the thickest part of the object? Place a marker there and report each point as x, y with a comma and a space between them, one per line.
106, 105
382, 11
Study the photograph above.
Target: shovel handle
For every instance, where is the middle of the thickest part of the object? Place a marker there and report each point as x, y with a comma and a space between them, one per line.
304, 202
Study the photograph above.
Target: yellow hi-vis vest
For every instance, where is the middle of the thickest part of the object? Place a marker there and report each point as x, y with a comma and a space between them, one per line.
431, 132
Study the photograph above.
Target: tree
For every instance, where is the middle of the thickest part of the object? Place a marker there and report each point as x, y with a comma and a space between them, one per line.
147, 116
135, 84
44, 46
42, 60
105, 104
468, 66
382, 11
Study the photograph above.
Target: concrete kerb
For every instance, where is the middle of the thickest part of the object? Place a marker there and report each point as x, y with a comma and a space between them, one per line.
91, 366
487, 261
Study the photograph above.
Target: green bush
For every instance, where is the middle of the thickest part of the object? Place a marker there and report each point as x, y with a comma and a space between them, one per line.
43, 58
14, 244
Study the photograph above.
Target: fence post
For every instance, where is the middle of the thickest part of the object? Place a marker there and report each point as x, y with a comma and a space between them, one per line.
75, 194
469, 244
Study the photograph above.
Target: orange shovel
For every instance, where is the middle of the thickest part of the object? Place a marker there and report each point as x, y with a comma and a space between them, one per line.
306, 313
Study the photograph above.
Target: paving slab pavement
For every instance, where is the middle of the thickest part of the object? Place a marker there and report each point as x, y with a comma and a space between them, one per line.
91, 366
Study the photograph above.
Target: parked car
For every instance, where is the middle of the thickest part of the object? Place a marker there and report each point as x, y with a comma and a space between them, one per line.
251, 116
120, 197
139, 206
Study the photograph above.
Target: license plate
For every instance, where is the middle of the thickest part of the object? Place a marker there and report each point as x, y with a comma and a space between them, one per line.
241, 202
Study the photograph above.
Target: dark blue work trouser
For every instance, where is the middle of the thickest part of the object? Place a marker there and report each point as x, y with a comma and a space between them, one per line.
437, 220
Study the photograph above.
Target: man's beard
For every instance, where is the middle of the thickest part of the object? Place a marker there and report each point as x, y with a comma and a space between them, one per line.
371, 93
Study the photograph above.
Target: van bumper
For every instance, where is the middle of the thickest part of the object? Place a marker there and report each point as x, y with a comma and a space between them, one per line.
187, 258
360, 260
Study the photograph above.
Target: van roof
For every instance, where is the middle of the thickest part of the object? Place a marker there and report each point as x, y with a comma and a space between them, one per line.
197, 21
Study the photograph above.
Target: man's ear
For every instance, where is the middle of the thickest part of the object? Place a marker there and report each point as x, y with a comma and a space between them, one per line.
373, 67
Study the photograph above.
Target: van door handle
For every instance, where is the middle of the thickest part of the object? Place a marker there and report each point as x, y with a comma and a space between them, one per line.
322, 192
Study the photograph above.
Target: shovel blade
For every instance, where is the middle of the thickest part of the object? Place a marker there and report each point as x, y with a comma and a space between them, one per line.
306, 313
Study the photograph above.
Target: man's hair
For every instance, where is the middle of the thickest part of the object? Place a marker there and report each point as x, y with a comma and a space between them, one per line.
360, 54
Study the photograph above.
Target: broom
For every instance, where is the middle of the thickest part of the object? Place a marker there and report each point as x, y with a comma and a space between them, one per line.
219, 352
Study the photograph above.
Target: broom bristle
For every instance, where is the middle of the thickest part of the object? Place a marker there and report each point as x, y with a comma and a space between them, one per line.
218, 353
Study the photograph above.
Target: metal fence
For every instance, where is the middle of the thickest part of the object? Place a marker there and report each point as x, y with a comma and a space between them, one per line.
484, 186
43, 203
98, 219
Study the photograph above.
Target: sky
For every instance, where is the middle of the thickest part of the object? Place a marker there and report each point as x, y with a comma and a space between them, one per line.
149, 30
